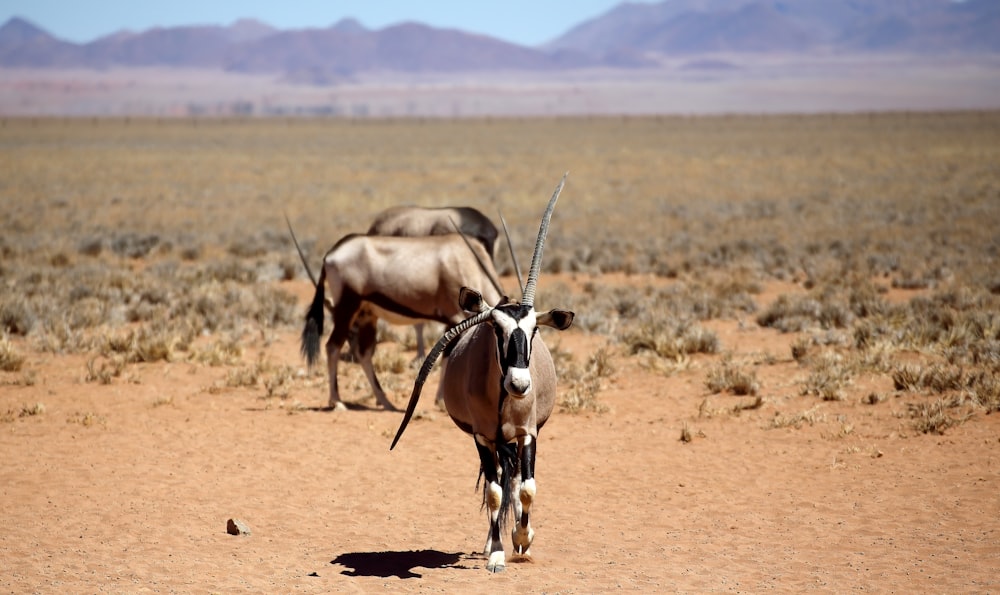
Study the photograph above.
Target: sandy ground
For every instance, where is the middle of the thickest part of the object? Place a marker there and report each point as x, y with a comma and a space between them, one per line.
127, 488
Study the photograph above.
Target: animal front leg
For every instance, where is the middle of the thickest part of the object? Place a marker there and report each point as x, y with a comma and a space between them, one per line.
524, 496
495, 558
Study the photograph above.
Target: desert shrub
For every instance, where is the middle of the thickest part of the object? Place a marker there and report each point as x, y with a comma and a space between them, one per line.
798, 313
907, 377
729, 377
222, 352
105, 369
25, 411
16, 315
247, 248
796, 420
585, 383
667, 336
933, 417
10, 359
278, 381
159, 341
828, 378
227, 270
800, 348
244, 376
133, 245
864, 300
984, 387
92, 246
981, 386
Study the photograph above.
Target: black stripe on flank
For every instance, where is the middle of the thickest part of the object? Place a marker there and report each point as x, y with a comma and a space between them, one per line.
390, 305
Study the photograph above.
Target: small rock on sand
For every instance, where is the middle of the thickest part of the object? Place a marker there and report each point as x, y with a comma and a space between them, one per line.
237, 527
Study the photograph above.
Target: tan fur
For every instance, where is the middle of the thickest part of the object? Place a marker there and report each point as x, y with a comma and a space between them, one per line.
470, 387
425, 274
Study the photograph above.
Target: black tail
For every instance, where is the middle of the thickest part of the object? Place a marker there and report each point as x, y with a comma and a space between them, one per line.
507, 454
314, 322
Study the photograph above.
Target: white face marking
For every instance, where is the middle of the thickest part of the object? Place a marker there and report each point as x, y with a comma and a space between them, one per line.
517, 382
507, 324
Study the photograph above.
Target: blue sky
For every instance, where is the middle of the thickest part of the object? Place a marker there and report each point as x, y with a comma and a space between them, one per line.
527, 22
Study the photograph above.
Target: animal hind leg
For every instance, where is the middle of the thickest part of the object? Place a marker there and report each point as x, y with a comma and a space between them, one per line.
367, 325
343, 313
524, 495
418, 330
493, 496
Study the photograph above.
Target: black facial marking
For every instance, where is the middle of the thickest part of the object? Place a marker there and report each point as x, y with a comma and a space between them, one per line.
517, 349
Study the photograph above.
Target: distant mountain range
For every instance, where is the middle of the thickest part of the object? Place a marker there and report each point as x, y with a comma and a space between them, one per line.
630, 35
839, 26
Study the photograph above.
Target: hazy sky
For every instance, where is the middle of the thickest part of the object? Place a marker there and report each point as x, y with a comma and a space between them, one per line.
527, 22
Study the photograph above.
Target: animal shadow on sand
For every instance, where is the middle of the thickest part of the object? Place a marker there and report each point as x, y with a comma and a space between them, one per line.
326, 409
399, 564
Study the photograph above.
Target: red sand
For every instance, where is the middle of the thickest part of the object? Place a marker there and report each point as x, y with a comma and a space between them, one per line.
128, 487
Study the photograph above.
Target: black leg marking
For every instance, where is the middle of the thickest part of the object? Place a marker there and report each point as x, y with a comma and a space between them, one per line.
523, 534
493, 499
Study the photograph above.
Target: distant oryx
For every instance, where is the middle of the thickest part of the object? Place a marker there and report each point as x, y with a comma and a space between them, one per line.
499, 384
427, 221
423, 221
403, 280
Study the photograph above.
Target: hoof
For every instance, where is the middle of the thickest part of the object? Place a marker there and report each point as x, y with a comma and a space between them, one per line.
496, 562
337, 406
523, 539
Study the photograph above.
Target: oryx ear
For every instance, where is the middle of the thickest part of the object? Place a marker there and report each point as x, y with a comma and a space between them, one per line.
557, 319
470, 300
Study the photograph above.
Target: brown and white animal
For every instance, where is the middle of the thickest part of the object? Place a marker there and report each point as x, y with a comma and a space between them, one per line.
413, 221
499, 385
401, 279
435, 221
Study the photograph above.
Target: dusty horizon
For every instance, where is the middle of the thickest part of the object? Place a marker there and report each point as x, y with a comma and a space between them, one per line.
692, 85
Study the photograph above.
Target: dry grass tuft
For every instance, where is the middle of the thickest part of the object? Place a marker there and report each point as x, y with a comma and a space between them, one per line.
585, 384
934, 417
221, 352
668, 337
25, 411
729, 377
109, 369
87, 419
10, 359
829, 377
797, 420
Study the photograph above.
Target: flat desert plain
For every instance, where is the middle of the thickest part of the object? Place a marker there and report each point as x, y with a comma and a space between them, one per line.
783, 374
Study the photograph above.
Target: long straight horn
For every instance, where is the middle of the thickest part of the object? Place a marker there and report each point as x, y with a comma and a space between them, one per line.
536, 259
425, 368
513, 257
302, 255
482, 265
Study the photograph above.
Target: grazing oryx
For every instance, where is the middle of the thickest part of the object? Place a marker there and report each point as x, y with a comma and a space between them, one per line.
499, 384
401, 279
422, 221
